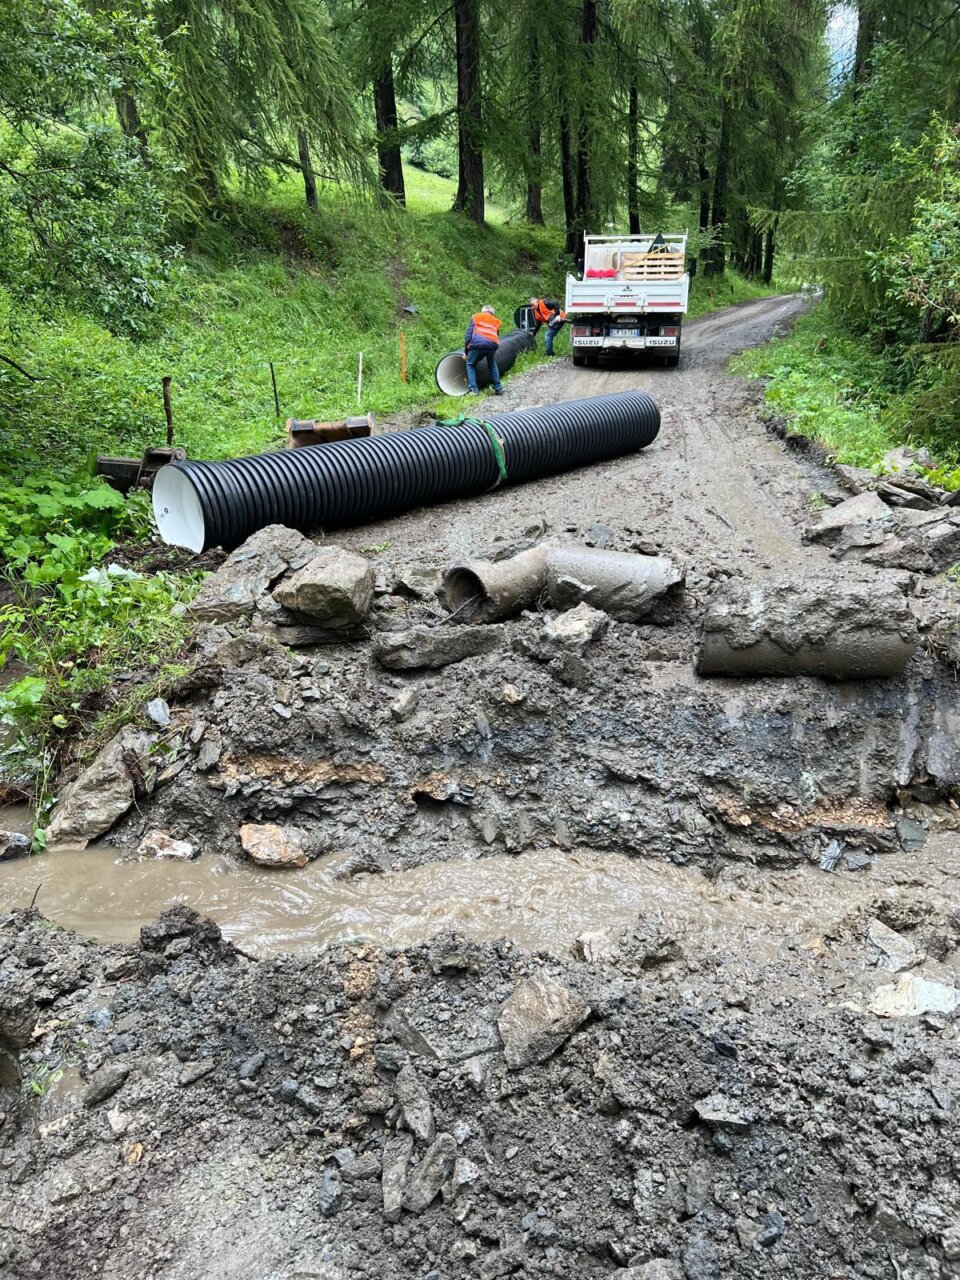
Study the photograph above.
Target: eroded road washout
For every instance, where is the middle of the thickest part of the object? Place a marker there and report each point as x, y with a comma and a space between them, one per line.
717, 1037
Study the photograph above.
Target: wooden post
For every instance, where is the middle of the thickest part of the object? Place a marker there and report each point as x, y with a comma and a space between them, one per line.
276, 398
403, 356
360, 378
168, 409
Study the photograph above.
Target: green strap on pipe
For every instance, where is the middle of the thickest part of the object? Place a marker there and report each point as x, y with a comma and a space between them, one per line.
496, 443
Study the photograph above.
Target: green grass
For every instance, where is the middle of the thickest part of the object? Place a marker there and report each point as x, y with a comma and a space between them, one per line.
835, 388
276, 283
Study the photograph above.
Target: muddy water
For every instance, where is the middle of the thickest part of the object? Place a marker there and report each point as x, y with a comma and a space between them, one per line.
541, 900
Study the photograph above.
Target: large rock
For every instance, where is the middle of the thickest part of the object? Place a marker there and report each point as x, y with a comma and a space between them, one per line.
335, 589
14, 844
577, 627
928, 542
157, 844
537, 1019
270, 845
424, 1183
435, 646
864, 509
249, 572
396, 1157
912, 995
18, 1017
818, 626
415, 1105
104, 791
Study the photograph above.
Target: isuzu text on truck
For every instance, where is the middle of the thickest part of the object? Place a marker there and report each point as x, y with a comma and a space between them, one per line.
632, 297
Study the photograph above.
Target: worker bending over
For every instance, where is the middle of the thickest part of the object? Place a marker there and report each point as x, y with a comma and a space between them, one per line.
481, 343
550, 314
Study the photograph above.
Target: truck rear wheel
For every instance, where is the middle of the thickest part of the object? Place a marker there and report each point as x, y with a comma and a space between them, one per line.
671, 362
579, 361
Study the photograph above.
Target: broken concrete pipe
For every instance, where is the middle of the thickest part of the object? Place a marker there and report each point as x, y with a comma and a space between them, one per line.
452, 369
821, 626
620, 584
199, 505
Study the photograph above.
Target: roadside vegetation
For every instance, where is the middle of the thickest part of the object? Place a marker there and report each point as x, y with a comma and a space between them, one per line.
876, 221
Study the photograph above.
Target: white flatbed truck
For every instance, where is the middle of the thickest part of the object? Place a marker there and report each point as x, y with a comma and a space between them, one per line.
632, 297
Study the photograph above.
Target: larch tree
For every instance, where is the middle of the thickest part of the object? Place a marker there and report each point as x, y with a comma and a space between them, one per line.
261, 86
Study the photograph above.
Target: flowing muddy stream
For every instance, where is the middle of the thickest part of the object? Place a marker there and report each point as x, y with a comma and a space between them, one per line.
543, 900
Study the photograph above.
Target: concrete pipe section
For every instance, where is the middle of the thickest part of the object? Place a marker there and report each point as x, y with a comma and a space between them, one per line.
623, 585
451, 372
837, 628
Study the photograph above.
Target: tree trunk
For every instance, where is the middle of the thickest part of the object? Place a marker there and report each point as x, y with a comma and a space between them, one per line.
534, 212
633, 175
768, 250
703, 187
388, 152
306, 168
588, 36
534, 187
866, 38
469, 197
131, 125
716, 260
566, 175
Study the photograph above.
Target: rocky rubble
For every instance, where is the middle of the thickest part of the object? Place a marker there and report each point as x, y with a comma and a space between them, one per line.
435, 737
463, 1110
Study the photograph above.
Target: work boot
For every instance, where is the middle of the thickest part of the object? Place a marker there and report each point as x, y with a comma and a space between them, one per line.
498, 391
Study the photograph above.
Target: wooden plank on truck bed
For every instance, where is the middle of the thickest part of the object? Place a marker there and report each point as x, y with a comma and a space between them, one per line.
653, 266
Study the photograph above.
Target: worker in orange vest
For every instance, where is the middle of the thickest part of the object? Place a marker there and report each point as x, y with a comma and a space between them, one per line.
550, 314
481, 343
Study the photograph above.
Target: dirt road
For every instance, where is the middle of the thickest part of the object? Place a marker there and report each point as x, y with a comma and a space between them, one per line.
601, 969
713, 481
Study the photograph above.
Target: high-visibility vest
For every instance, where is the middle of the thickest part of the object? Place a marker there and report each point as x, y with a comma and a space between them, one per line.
542, 313
485, 327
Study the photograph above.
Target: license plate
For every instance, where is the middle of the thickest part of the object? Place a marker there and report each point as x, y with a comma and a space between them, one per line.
626, 333
589, 342
661, 342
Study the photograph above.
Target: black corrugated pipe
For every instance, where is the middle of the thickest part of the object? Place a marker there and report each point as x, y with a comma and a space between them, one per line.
452, 369
329, 486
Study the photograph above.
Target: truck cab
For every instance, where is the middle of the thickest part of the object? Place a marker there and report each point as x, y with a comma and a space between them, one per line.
632, 297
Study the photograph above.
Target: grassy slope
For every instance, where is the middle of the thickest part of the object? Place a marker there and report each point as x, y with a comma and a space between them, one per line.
857, 400
308, 293
275, 283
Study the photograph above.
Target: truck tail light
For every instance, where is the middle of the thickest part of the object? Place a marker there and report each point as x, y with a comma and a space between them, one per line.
669, 331
597, 331
581, 331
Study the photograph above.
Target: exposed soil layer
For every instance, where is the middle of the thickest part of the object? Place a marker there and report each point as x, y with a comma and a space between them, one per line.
733, 1049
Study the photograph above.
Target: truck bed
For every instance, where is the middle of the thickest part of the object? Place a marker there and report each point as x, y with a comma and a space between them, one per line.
614, 296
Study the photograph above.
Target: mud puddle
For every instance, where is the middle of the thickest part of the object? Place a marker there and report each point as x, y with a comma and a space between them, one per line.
543, 900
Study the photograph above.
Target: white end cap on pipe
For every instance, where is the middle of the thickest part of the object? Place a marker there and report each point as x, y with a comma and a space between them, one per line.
452, 374
176, 509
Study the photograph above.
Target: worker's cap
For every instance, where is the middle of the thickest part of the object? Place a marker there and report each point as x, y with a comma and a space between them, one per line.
490, 310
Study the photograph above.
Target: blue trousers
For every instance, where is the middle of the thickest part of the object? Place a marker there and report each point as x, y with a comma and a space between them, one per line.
474, 356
